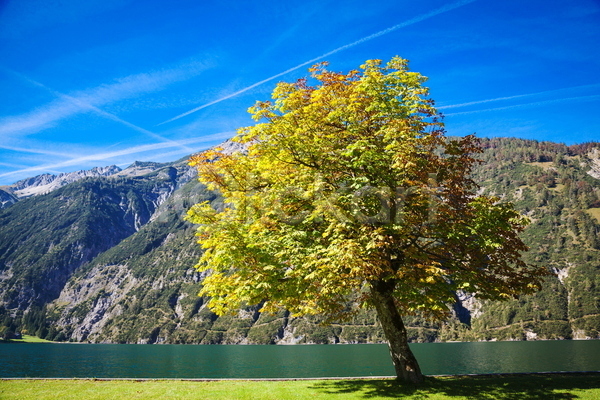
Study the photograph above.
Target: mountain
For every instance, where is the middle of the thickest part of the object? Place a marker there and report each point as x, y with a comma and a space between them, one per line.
7, 198
109, 258
46, 183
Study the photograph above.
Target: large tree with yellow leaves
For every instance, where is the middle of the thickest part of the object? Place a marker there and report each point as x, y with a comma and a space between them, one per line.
349, 195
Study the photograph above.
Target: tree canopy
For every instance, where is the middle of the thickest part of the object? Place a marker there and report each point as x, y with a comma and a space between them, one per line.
350, 195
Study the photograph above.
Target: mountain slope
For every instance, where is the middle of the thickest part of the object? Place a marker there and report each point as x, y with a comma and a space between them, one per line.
7, 198
559, 189
44, 239
110, 259
47, 183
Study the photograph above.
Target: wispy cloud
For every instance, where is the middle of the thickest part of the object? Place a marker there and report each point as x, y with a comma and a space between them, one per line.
86, 104
41, 118
36, 151
533, 104
404, 24
12, 165
471, 103
122, 121
111, 155
66, 106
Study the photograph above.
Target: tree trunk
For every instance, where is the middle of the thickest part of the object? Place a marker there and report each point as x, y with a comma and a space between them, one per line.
405, 363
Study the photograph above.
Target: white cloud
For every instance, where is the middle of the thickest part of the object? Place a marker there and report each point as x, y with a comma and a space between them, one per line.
134, 85
107, 157
12, 165
36, 151
83, 101
592, 86
534, 104
41, 118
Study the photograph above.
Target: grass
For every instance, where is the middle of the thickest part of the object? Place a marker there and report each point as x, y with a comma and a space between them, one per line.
496, 387
27, 339
30, 339
594, 212
545, 165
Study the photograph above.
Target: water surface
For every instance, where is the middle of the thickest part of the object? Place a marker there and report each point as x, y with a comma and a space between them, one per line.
300, 361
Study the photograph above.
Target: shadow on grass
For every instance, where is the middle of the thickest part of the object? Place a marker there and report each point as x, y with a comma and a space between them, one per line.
497, 387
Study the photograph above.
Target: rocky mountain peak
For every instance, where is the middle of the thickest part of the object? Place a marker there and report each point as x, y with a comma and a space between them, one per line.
46, 183
139, 168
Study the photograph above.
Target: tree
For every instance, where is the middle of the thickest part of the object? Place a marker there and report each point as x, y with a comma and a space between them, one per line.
349, 195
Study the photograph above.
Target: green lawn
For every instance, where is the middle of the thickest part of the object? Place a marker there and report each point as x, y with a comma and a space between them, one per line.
30, 339
507, 387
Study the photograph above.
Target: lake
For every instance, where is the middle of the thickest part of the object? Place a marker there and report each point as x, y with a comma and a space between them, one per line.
301, 361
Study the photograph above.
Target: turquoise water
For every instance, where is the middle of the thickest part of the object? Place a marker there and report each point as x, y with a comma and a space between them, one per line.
300, 361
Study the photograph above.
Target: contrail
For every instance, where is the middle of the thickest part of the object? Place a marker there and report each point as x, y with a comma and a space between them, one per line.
122, 121
412, 21
517, 96
35, 151
87, 106
117, 153
11, 165
537, 103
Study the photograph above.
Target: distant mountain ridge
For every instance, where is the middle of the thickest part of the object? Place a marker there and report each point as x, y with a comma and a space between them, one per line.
108, 258
46, 183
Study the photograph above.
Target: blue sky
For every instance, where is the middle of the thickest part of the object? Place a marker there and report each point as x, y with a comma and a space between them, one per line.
102, 82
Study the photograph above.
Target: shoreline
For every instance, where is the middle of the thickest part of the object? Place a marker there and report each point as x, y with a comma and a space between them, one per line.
499, 375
